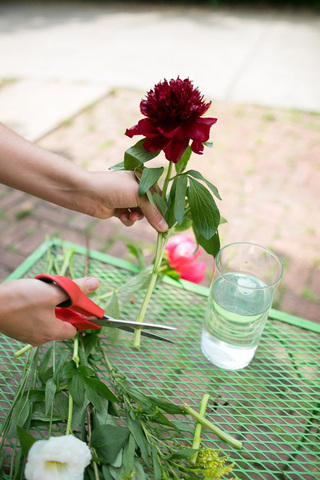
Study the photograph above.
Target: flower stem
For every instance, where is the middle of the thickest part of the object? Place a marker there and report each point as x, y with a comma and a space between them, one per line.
197, 433
161, 242
221, 434
75, 356
22, 350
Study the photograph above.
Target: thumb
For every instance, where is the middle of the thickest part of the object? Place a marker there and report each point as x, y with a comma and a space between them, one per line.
87, 284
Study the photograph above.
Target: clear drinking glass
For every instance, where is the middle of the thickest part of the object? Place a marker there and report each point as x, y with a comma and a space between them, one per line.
244, 282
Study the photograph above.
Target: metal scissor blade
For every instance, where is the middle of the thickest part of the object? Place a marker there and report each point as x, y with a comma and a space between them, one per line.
115, 323
149, 334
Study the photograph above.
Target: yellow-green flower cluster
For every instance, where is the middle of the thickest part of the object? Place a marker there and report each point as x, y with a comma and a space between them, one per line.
213, 464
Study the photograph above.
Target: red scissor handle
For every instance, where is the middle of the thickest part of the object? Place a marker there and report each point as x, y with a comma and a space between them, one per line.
78, 307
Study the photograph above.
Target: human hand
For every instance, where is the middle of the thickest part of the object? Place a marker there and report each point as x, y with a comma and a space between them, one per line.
116, 194
27, 310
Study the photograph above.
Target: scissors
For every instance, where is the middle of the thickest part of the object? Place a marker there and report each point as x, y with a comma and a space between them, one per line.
84, 314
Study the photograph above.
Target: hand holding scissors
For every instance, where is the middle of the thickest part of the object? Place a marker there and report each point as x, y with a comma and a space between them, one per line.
84, 314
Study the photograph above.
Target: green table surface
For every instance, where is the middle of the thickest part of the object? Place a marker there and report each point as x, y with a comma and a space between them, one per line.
272, 406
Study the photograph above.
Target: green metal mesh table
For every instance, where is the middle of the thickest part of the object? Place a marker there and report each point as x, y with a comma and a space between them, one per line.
272, 406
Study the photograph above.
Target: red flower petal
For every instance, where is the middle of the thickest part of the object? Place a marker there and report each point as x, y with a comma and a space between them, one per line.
155, 144
176, 149
197, 147
147, 128
199, 129
130, 132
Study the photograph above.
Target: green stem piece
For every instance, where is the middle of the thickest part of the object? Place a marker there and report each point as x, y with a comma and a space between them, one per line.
197, 433
22, 351
220, 433
161, 242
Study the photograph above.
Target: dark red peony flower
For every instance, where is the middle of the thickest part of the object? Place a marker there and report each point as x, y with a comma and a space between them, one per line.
173, 110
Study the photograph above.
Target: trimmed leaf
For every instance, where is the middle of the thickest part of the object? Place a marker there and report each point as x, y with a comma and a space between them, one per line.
86, 371
167, 406
204, 211
199, 176
136, 155
20, 416
59, 366
108, 440
139, 282
100, 388
211, 245
183, 453
157, 474
149, 177
137, 252
76, 389
44, 364
26, 440
128, 456
181, 165
141, 441
51, 389
138, 471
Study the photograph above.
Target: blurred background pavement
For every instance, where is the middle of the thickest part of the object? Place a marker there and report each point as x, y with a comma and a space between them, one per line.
72, 77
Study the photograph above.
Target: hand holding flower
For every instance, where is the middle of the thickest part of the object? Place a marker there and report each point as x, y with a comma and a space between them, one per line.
173, 112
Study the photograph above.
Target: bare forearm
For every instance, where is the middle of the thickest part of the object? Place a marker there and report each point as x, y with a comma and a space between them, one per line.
39, 172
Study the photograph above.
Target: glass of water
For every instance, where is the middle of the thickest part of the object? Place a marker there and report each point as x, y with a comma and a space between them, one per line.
244, 282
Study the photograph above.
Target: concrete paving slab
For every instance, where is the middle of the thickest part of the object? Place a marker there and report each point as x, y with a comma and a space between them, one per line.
35, 107
265, 57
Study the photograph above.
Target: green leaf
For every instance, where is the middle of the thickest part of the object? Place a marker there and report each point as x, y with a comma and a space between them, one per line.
161, 419
100, 388
157, 472
79, 413
199, 176
69, 369
204, 211
183, 453
105, 472
51, 389
35, 395
44, 364
113, 309
138, 471
149, 177
108, 440
180, 198
61, 403
86, 371
211, 245
140, 439
137, 252
118, 166
20, 416
139, 282
90, 342
166, 406
60, 365
76, 388
128, 455
26, 440
137, 155
160, 203
181, 165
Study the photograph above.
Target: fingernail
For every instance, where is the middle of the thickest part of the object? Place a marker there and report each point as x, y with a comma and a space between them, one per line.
163, 225
92, 284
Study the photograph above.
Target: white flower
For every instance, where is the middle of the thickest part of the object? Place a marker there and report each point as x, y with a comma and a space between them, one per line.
59, 458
